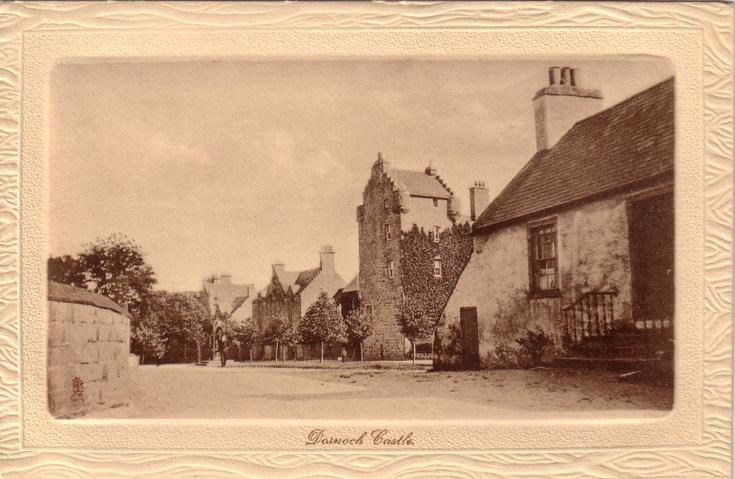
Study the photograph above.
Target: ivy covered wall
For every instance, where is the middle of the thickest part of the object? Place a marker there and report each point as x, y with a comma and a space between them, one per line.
419, 250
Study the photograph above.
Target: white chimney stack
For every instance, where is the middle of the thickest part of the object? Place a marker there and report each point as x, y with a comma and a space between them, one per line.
561, 104
326, 259
479, 199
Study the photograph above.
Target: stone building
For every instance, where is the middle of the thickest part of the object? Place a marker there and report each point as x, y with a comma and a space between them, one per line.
395, 202
581, 242
290, 293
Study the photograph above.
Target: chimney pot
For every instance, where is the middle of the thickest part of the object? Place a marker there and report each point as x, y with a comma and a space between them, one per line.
557, 109
564, 80
553, 75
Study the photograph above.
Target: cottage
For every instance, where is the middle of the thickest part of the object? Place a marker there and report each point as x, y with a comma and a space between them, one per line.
580, 244
290, 293
408, 229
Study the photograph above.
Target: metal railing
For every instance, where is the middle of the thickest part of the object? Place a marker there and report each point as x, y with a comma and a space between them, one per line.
593, 314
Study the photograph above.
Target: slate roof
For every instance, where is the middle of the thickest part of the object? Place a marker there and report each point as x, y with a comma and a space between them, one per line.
419, 183
305, 277
353, 285
229, 296
297, 280
69, 294
625, 144
288, 278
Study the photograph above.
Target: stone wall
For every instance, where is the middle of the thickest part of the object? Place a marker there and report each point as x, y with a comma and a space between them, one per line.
593, 254
88, 348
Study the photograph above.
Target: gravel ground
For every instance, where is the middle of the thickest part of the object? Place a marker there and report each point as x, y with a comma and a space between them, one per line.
187, 391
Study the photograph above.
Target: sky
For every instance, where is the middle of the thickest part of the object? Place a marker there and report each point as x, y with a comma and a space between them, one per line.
229, 166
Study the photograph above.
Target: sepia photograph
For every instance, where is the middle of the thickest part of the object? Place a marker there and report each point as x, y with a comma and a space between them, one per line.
366, 239
362, 239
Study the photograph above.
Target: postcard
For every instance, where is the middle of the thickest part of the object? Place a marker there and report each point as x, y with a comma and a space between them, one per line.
369, 240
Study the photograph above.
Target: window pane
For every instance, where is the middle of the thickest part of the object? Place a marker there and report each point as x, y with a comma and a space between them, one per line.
543, 241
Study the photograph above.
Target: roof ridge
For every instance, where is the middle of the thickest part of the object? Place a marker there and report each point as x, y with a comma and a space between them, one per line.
610, 110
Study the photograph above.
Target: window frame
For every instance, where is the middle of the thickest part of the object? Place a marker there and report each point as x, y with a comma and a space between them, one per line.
436, 233
388, 232
391, 269
437, 260
533, 229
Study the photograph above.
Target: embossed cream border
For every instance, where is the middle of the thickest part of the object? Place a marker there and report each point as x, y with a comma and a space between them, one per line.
692, 441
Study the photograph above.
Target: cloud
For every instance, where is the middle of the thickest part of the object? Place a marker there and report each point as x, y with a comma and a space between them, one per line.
161, 147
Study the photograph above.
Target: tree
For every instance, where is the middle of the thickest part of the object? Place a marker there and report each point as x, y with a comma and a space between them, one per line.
322, 323
246, 333
67, 270
416, 321
178, 318
115, 267
148, 336
280, 331
194, 321
359, 326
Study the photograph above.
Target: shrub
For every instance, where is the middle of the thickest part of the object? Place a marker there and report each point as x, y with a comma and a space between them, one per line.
532, 347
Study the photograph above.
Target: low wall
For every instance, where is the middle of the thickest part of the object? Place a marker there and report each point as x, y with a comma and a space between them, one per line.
88, 347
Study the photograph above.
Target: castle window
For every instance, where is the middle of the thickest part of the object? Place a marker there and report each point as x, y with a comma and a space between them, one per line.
386, 203
436, 202
436, 234
388, 232
391, 270
543, 257
437, 267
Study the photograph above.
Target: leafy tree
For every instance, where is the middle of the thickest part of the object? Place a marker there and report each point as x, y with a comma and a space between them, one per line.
194, 320
322, 323
179, 318
148, 335
416, 321
115, 267
67, 270
246, 333
359, 326
280, 331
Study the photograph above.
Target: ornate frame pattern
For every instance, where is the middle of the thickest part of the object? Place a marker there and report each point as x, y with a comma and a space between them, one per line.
711, 458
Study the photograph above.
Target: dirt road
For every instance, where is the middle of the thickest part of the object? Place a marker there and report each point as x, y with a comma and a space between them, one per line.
186, 391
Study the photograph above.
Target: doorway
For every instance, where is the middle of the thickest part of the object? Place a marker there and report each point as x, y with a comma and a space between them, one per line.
652, 260
470, 338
